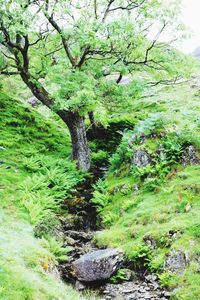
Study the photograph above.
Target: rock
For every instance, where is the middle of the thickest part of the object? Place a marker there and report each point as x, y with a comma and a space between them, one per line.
176, 262
70, 241
33, 102
151, 278
67, 222
79, 286
141, 158
97, 265
80, 235
134, 290
2, 148
150, 242
167, 294
189, 156
188, 207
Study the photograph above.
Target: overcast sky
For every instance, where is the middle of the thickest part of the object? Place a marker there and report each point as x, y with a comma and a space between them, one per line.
191, 17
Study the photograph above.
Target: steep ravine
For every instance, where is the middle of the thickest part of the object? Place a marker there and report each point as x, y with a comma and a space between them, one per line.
78, 232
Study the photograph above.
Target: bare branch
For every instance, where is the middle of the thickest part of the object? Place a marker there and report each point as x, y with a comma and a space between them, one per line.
9, 73
146, 60
7, 56
83, 57
132, 5
55, 25
54, 51
174, 81
119, 78
107, 10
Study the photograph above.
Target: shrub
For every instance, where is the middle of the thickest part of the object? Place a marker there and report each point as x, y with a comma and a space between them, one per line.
39, 205
172, 147
56, 248
100, 158
123, 153
120, 276
31, 164
101, 197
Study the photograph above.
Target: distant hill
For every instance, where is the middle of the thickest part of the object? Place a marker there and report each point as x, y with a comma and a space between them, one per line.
196, 53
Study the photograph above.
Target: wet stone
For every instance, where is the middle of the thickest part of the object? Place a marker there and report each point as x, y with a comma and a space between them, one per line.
97, 265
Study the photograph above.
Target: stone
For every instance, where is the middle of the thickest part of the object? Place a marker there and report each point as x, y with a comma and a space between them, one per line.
150, 242
2, 148
97, 265
141, 158
176, 262
189, 156
151, 278
188, 207
67, 222
80, 235
79, 286
147, 296
33, 102
167, 294
70, 241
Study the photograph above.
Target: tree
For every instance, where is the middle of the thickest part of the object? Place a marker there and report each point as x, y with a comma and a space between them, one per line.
62, 50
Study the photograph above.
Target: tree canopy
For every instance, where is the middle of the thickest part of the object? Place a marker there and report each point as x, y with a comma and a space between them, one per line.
65, 50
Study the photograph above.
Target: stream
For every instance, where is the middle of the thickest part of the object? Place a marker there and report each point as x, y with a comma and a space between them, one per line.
78, 232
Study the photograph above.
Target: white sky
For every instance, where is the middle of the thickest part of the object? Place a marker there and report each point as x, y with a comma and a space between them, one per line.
191, 18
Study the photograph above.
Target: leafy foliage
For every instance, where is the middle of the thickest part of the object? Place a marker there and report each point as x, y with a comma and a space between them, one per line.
56, 248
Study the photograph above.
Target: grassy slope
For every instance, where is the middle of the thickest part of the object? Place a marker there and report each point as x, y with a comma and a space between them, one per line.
32, 149
131, 217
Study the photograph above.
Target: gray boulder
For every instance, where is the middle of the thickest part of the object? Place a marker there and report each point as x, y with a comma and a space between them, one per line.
177, 261
97, 265
141, 158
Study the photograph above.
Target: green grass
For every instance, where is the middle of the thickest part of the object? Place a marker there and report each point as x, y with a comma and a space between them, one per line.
36, 177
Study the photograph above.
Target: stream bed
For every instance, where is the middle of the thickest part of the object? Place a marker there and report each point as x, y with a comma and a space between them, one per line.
78, 232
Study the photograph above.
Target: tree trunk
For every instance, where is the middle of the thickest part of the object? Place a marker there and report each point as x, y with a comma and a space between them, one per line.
81, 151
74, 122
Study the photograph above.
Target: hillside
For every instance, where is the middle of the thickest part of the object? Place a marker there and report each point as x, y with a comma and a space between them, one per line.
149, 202
147, 205
31, 151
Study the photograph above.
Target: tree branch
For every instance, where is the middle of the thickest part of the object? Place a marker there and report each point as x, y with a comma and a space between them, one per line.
55, 25
132, 5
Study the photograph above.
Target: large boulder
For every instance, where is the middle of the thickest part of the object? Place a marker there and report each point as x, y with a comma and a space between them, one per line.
97, 265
